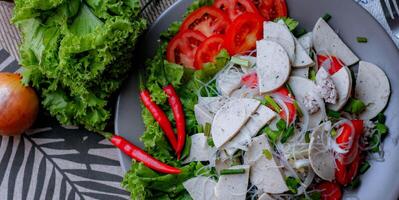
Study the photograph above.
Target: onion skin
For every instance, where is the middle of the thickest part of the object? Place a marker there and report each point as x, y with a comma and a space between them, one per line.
19, 105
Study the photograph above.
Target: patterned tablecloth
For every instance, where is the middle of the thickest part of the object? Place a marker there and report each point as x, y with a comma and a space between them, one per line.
54, 162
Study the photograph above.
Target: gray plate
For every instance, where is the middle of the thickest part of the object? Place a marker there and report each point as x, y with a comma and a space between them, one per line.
350, 21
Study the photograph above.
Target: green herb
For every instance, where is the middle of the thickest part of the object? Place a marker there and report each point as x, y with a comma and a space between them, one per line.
327, 17
375, 141
187, 148
239, 61
361, 39
333, 114
381, 128
291, 23
380, 118
293, 184
354, 106
272, 135
307, 136
207, 129
281, 125
287, 134
210, 142
269, 101
364, 167
267, 154
312, 74
232, 171
355, 183
299, 32
297, 108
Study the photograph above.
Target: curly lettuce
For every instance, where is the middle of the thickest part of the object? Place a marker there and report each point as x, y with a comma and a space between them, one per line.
77, 53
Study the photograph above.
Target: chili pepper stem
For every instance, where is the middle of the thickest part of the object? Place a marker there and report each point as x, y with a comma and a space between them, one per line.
105, 134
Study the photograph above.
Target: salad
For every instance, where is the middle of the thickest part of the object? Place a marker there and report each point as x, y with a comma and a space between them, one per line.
249, 106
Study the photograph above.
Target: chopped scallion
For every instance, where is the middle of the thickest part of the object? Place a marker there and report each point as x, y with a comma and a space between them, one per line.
327, 17
333, 132
239, 61
312, 74
355, 183
307, 137
362, 39
187, 148
232, 171
207, 129
271, 103
297, 108
364, 167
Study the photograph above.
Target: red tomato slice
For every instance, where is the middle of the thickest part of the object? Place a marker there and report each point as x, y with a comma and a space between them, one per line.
250, 80
271, 9
235, 8
290, 106
329, 191
334, 65
207, 20
346, 133
207, 51
243, 33
182, 48
347, 166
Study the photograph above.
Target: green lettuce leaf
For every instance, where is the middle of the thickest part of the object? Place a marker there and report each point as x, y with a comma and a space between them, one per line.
144, 183
77, 53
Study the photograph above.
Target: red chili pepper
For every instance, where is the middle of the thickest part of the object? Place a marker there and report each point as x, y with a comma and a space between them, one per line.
160, 116
250, 80
140, 155
178, 113
329, 191
347, 167
335, 65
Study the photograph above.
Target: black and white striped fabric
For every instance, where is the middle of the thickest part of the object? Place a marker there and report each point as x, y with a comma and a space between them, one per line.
54, 162
7, 62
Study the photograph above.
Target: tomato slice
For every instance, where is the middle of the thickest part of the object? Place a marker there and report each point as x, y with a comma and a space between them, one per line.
346, 133
182, 48
207, 51
290, 106
235, 8
348, 164
207, 20
250, 80
243, 33
271, 9
335, 63
329, 191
